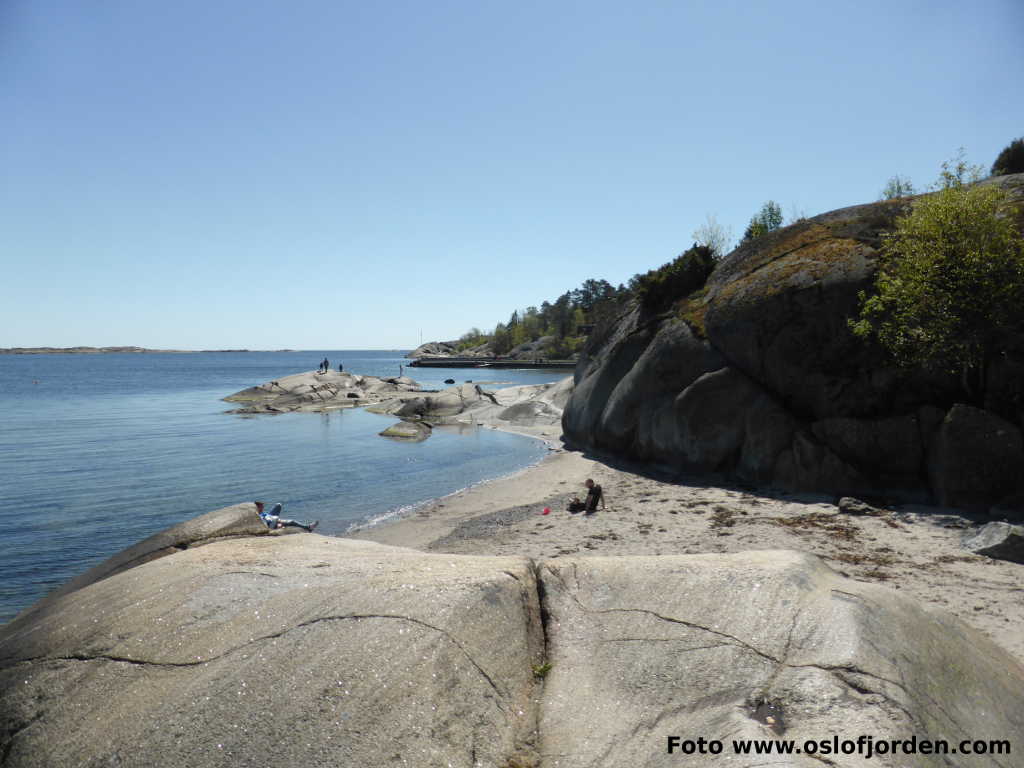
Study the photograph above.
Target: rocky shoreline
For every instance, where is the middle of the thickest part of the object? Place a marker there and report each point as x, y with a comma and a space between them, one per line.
481, 631
219, 642
316, 392
912, 547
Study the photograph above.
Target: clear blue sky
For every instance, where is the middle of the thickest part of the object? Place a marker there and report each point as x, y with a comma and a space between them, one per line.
335, 174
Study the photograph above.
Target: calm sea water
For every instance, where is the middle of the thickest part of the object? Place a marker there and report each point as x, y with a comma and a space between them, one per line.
100, 451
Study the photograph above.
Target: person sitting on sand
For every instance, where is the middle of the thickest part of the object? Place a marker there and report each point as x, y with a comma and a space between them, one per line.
594, 495
273, 519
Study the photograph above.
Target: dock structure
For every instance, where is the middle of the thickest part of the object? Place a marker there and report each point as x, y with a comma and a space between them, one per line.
489, 362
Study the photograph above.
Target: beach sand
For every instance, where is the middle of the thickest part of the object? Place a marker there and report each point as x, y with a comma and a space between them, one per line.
914, 549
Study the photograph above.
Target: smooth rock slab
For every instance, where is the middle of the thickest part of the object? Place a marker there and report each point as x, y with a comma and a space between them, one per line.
279, 651
314, 651
647, 647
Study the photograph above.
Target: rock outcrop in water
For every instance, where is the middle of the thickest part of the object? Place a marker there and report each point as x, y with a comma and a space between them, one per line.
313, 391
758, 376
309, 650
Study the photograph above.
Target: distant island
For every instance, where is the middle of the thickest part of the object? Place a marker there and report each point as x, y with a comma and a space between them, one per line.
107, 350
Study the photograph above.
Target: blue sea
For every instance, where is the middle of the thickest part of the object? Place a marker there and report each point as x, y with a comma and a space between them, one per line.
100, 451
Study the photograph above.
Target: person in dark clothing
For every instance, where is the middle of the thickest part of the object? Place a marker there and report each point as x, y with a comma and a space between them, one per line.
594, 496
273, 519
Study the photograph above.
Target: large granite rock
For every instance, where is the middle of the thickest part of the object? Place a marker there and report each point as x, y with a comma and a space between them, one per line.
308, 650
448, 402
237, 520
643, 648
434, 349
759, 376
976, 459
285, 651
316, 392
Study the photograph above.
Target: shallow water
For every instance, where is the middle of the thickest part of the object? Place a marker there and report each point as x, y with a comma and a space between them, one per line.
100, 451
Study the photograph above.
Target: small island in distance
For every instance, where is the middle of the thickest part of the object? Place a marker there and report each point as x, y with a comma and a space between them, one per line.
109, 350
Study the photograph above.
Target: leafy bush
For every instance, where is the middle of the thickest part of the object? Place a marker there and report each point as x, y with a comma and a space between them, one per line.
1010, 160
949, 292
688, 272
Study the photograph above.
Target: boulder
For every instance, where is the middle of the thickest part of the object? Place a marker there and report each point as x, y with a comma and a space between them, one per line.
448, 402
850, 506
643, 648
529, 413
999, 540
976, 459
408, 431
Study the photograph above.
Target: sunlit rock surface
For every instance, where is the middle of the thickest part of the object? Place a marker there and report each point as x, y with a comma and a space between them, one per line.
310, 650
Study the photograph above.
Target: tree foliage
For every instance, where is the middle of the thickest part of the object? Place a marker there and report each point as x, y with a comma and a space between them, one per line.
768, 219
564, 320
714, 235
949, 292
1011, 159
957, 172
897, 186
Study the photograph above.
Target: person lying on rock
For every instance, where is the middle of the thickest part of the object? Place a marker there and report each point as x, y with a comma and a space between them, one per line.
274, 521
594, 495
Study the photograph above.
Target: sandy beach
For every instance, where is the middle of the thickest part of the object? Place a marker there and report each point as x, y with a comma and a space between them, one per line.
915, 549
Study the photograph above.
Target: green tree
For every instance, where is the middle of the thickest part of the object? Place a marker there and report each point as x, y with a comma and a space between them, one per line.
501, 339
1011, 159
957, 172
471, 338
768, 219
897, 186
949, 292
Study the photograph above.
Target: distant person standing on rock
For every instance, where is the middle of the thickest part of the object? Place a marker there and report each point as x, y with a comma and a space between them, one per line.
273, 519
